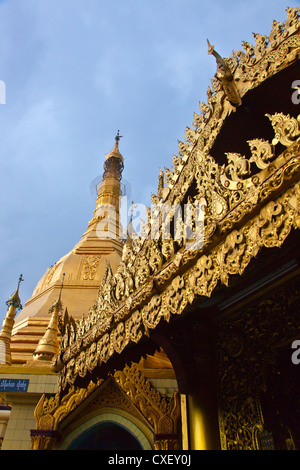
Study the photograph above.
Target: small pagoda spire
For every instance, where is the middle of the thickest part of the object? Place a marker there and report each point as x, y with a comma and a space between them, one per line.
48, 346
13, 304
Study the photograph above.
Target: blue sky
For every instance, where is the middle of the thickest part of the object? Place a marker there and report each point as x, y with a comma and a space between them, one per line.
76, 71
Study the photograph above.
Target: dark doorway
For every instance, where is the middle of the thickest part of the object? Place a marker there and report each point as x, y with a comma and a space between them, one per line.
280, 402
105, 436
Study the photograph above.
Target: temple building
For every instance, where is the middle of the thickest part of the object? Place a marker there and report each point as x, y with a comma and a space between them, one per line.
186, 337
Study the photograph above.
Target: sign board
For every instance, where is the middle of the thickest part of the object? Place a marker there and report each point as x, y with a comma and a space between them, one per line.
14, 385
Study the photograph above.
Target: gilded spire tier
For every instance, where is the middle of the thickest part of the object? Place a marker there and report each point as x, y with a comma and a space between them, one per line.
48, 346
14, 304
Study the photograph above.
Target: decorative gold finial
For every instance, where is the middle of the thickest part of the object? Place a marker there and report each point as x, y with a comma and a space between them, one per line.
225, 76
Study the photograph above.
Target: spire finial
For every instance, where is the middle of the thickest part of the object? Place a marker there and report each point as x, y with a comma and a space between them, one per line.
21, 279
118, 136
115, 151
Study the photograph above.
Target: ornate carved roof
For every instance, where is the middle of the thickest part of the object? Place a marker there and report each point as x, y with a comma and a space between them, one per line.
250, 203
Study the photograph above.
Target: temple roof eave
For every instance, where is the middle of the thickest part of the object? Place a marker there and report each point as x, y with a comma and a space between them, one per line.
132, 317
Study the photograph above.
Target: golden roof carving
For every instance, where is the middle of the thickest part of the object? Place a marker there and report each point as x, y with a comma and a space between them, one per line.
158, 278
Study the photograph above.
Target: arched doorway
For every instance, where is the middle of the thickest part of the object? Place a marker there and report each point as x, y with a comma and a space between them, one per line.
106, 435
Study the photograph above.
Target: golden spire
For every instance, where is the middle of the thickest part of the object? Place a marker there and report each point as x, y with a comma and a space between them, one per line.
13, 304
48, 346
107, 210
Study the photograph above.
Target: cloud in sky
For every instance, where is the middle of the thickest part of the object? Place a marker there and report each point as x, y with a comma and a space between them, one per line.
76, 71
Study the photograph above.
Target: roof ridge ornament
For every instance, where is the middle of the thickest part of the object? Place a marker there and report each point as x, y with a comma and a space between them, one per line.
225, 76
